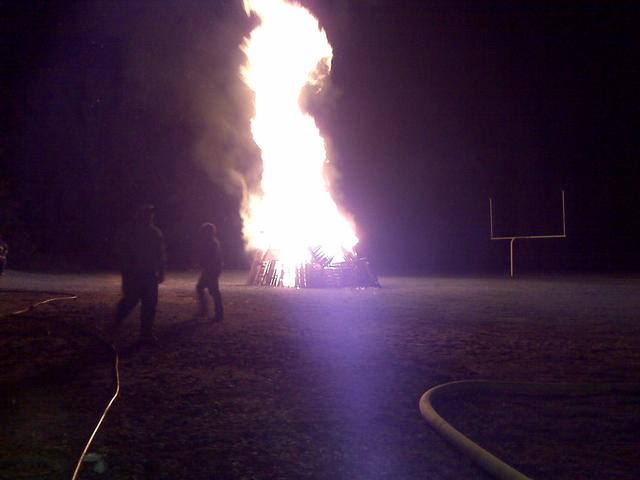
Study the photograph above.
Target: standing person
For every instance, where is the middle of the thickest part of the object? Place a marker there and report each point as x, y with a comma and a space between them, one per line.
4, 252
140, 247
210, 258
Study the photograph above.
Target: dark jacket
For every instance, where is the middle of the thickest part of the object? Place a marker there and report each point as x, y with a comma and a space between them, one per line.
210, 255
140, 249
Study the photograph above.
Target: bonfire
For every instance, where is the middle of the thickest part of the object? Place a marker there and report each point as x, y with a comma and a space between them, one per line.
300, 236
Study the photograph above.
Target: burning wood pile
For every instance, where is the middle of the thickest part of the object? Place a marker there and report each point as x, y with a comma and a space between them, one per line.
320, 272
293, 212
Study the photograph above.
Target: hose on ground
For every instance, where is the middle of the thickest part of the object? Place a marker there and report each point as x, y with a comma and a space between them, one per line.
486, 460
116, 369
116, 362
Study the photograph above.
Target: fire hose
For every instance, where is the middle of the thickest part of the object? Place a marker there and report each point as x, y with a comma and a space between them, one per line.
116, 370
486, 460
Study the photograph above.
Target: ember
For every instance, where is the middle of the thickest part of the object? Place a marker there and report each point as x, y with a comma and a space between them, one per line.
301, 237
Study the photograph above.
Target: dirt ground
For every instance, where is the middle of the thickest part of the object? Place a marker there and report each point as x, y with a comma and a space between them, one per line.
320, 384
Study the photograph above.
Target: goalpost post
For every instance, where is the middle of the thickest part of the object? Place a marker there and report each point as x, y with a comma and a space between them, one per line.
513, 238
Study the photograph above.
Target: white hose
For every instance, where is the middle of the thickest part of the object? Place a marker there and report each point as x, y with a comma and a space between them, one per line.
116, 372
489, 462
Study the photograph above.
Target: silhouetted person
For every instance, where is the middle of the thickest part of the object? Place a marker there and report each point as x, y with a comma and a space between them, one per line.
140, 247
210, 258
4, 252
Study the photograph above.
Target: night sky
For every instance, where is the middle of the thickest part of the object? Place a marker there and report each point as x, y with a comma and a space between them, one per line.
433, 107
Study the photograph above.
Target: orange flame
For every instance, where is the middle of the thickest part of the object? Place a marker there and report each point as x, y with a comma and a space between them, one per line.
295, 211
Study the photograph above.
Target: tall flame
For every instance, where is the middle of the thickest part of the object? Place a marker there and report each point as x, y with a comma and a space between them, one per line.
295, 211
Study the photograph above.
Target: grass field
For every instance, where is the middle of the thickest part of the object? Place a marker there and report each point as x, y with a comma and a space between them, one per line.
321, 383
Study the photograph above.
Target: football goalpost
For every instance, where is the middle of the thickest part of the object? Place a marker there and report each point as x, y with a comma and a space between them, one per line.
513, 238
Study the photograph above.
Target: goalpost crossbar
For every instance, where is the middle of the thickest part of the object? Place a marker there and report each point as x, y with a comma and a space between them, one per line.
513, 238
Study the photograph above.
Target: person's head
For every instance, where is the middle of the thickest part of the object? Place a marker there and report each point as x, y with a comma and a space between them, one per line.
208, 230
146, 214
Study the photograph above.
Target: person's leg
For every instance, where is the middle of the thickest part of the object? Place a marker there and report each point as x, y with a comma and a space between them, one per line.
214, 290
203, 309
148, 308
130, 298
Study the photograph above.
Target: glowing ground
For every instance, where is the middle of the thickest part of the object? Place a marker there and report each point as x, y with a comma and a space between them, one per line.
322, 383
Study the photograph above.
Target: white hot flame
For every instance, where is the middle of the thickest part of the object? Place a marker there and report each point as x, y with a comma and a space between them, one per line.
295, 211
